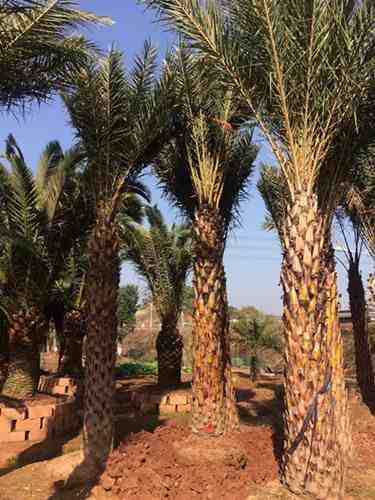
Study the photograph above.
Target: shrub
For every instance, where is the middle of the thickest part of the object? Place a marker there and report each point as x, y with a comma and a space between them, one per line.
135, 369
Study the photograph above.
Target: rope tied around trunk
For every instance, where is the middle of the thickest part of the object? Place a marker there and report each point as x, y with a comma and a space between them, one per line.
311, 413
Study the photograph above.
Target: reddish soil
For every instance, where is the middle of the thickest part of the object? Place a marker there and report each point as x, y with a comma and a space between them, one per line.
157, 457
166, 464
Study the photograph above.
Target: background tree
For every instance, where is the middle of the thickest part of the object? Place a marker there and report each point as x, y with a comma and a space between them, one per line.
70, 318
162, 256
38, 232
244, 312
71, 291
205, 171
303, 71
188, 301
127, 307
349, 225
258, 333
120, 119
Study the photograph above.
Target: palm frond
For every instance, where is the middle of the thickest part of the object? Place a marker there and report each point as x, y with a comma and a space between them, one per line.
302, 70
142, 76
38, 52
274, 191
210, 159
43, 219
22, 200
131, 125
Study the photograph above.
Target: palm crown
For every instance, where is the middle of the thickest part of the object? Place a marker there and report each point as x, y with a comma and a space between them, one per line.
129, 112
40, 221
209, 160
259, 332
302, 69
162, 255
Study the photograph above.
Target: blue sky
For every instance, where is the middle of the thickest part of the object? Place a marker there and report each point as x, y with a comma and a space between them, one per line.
252, 258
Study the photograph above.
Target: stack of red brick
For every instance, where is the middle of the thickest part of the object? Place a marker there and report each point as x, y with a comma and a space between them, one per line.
37, 422
172, 402
175, 402
59, 386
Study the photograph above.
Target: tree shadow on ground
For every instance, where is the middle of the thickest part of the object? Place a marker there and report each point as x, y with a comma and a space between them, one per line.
133, 416
82, 480
366, 396
268, 412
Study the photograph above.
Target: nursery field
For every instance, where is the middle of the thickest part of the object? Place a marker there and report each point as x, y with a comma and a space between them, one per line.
156, 456
155, 342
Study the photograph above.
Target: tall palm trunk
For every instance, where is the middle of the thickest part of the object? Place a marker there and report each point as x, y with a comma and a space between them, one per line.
74, 332
4, 355
169, 346
316, 414
363, 361
213, 394
102, 291
23, 356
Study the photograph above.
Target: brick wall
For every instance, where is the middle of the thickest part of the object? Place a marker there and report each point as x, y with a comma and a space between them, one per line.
37, 422
60, 386
178, 401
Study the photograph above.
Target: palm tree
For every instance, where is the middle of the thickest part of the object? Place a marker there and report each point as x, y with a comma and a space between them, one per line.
72, 286
162, 256
359, 206
39, 51
204, 171
37, 232
275, 195
67, 309
303, 70
357, 299
120, 118
258, 334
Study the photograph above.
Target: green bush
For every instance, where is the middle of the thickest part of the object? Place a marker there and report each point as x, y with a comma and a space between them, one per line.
240, 362
134, 369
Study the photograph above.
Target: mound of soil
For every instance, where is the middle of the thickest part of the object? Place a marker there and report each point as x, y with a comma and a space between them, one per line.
171, 463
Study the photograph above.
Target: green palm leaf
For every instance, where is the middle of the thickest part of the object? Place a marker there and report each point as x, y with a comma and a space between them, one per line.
162, 256
38, 51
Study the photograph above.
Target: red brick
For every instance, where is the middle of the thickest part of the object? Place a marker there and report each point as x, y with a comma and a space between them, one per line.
42, 382
59, 422
37, 435
167, 408
48, 423
67, 381
5, 424
47, 386
30, 424
165, 400
60, 389
184, 408
178, 399
41, 411
14, 413
12, 437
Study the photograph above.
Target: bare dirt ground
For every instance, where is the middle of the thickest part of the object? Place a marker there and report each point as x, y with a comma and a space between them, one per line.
157, 458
